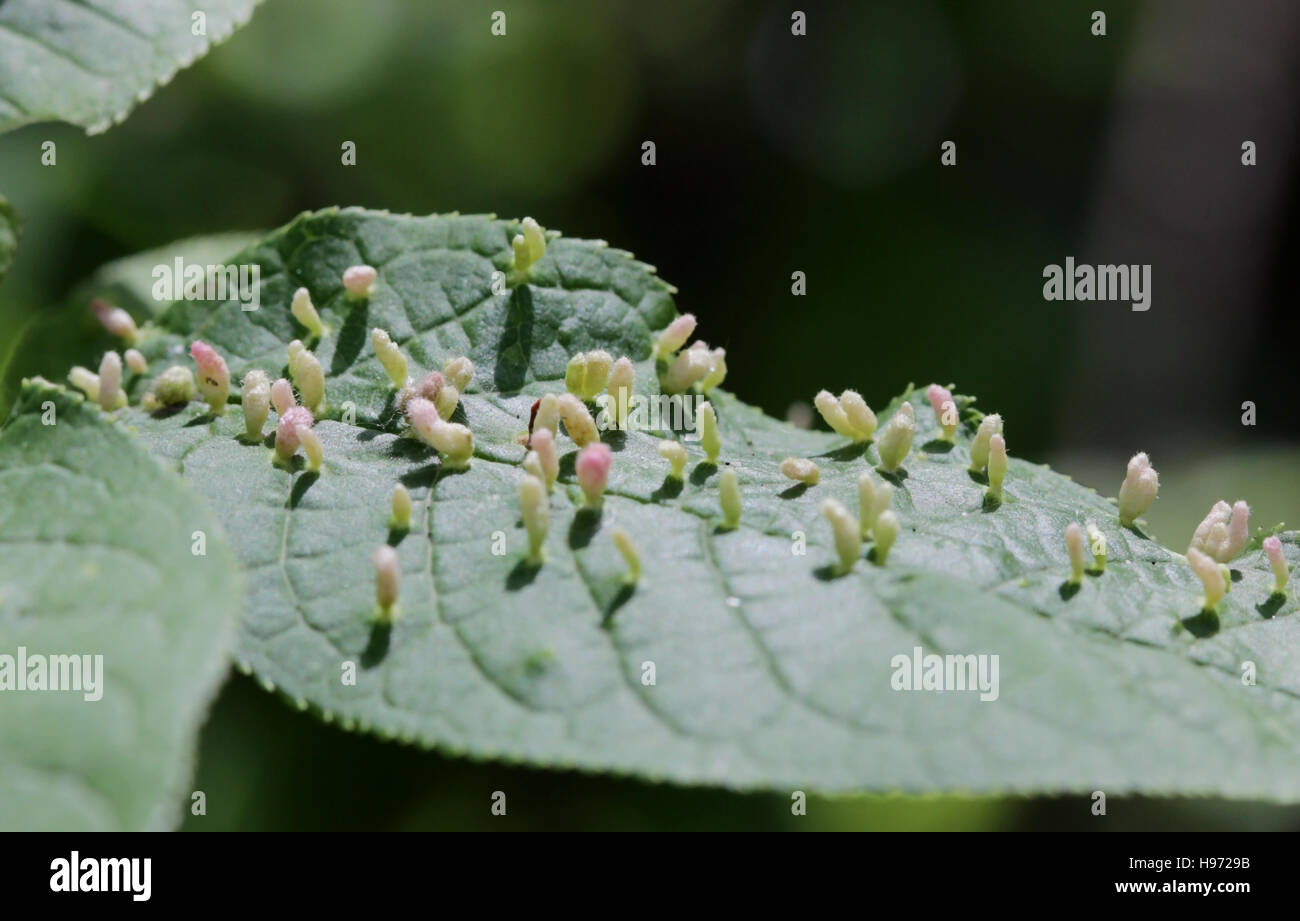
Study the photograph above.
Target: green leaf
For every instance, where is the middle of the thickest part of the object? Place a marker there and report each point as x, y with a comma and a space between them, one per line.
769, 671
97, 561
90, 62
10, 225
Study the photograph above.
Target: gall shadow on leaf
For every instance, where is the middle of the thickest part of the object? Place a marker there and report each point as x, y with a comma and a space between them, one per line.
166, 412
407, 449
585, 524
1068, 589
1202, 624
979, 476
352, 337
828, 573
568, 465
300, 487
702, 471
390, 417
937, 446
793, 492
421, 476
851, 451
381, 635
397, 535
1235, 575
615, 438
621, 597
515, 347
1138, 531
522, 575
201, 419
894, 476
1271, 605
990, 504
670, 488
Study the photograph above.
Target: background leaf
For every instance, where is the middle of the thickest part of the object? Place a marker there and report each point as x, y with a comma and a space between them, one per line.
770, 673
97, 561
10, 225
90, 62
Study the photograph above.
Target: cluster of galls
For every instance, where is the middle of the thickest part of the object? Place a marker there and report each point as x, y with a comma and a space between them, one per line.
1218, 539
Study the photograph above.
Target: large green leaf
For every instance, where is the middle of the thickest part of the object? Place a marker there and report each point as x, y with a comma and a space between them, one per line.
98, 560
769, 672
90, 61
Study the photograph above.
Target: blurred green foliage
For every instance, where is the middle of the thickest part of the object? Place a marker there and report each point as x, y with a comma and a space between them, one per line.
774, 155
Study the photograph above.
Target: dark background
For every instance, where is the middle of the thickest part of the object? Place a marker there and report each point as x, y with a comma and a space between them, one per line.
775, 154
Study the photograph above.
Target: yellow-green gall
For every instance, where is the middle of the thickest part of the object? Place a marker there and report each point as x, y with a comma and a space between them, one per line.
174, 386
801, 469
311, 448
997, 466
627, 549
847, 533
577, 420
458, 372
401, 517
111, 395
390, 356
1212, 576
87, 381
622, 378
255, 398
729, 497
1078, 555
308, 375
989, 426
675, 454
136, 361
387, 575
548, 414
535, 509
895, 440
587, 373
710, 440
886, 531
304, 311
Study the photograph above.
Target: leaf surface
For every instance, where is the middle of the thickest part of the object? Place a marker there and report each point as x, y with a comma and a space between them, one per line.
768, 671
